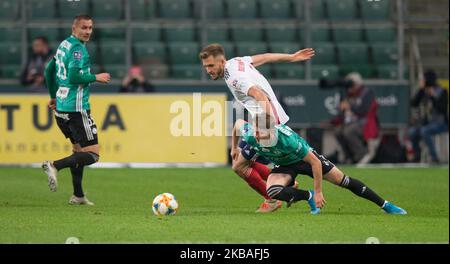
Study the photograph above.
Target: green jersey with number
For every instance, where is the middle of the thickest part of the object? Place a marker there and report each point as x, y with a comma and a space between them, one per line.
290, 148
72, 53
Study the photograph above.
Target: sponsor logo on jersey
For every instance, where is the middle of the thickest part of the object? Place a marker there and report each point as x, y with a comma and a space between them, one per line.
241, 66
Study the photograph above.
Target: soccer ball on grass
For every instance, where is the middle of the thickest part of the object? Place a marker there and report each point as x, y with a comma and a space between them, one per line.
165, 204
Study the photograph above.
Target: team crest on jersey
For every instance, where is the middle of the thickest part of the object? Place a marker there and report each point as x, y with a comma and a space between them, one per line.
77, 55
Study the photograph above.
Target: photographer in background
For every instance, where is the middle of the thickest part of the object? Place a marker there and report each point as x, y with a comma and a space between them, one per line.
33, 73
357, 123
432, 102
135, 81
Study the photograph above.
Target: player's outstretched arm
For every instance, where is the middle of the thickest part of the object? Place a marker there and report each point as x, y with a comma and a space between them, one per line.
235, 138
50, 82
316, 166
301, 55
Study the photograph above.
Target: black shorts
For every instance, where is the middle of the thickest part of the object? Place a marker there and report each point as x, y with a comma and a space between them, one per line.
303, 167
79, 127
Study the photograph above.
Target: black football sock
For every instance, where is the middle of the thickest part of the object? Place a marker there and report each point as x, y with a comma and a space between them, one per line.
77, 159
77, 177
360, 189
287, 194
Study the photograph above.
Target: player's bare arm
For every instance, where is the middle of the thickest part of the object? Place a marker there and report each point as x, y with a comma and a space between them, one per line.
263, 101
235, 138
316, 166
301, 55
103, 77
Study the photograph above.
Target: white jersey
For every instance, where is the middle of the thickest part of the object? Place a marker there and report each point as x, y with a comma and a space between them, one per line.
240, 75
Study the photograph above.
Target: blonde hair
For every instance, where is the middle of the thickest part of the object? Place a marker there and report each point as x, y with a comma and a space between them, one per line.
214, 50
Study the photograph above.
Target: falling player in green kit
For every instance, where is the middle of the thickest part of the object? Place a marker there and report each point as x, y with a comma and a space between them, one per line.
292, 155
67, 77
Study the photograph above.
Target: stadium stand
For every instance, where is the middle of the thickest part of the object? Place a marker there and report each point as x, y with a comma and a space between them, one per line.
42, 9
162, 34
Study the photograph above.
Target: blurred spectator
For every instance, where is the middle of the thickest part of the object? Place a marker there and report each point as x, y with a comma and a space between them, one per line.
135, 81
432, 101
357, 123
33, 73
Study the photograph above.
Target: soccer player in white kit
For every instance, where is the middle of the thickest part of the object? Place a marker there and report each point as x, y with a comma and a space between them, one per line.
251, 89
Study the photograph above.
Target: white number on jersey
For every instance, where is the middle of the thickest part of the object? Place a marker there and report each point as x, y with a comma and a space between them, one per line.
61, 72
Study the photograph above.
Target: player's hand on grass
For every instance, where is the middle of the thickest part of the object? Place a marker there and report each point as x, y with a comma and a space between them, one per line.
318, 198
52, 104
302, 55
235, 153
103, 77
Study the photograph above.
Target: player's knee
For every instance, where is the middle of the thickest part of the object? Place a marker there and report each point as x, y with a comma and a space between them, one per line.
239, 169
86, 158
274, 190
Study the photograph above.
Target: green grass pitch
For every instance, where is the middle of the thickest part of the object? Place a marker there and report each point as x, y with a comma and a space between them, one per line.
218, 207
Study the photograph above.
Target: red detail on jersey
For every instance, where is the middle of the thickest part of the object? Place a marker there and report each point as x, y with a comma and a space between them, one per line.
241, 66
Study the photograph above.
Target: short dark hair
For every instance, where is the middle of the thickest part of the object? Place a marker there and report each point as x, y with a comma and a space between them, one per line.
81, 17
212, 50
43, 39
430, 78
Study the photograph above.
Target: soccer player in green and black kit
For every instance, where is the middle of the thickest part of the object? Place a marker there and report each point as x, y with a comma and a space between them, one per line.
292, 155
67, 77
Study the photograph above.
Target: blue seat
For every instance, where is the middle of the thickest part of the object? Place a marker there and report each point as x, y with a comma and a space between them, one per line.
143, 9
187, 71
281, 33
241, 9
385, 53
350, 33
10, 34
10, 53
279, 9
175, 9
341, 9
330, 71
352, 53
69, 9
375, 10
183, 52
324, 53
251, 48
180, 32
107, 10
149, 52
146, 34
9, 10
247, 33
42, 9
112, 52
289, 71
